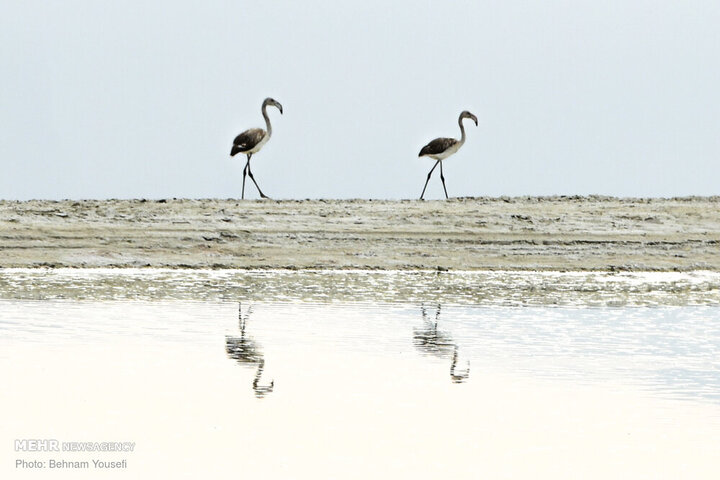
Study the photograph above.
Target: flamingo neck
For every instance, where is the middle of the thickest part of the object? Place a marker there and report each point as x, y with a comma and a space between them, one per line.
258, 374
267, 120
261, 390
462, 130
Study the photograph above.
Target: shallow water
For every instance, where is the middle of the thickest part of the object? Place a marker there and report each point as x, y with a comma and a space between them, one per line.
491, 288
292, 388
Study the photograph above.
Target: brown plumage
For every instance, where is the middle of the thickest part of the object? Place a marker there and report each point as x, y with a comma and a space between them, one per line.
437, 146
247, 140
252, 140
441, 148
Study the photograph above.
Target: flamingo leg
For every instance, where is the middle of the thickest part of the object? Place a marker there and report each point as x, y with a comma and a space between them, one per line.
262, 195
443, 181
245, 170
428, 179
241, 321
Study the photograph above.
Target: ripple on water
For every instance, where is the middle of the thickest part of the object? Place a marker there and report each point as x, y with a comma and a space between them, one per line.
465, 288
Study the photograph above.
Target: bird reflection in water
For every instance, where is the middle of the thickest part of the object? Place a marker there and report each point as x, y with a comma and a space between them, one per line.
431, 341
248, 352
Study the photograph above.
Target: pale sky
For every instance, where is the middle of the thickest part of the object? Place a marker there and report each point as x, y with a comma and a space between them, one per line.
103, 99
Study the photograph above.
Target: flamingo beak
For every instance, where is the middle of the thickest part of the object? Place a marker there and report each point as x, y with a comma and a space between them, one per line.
280, 108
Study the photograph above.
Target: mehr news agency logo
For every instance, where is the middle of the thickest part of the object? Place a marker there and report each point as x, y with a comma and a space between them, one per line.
53, 445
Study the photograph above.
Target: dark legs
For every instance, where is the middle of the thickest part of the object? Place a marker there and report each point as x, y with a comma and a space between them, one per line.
262, 195
442, 177
247, 171
428, 179
443, 181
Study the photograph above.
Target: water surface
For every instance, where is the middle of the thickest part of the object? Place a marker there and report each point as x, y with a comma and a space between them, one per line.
351, 385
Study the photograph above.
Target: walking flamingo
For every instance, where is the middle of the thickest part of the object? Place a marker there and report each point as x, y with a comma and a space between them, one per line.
252, 140
441, 148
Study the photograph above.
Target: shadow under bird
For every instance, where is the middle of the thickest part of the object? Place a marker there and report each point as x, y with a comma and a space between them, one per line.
441, 148
252, 140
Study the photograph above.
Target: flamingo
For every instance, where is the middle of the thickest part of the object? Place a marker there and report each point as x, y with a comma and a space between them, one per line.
252, 140
441, 148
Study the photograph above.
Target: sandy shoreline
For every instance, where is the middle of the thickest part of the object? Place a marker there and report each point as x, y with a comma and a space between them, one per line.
525, 233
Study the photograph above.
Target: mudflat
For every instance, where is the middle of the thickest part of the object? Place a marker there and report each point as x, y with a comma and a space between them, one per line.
521, 233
